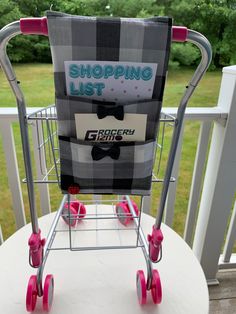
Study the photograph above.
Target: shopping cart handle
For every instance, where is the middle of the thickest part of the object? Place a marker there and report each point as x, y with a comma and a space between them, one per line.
39, 26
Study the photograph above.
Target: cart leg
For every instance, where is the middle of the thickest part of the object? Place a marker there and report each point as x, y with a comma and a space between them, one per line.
141, 239
35, 285
27, 162
153, 282
48, 245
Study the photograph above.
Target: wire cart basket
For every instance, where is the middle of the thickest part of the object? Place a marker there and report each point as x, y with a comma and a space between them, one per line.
113, 221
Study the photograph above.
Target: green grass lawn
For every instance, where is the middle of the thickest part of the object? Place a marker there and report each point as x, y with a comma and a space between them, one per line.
37, 84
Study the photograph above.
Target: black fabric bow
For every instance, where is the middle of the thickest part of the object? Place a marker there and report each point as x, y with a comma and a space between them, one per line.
117, 112
99, 153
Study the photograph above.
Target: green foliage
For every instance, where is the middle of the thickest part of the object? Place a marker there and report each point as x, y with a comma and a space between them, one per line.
132, 8
34, 7
184, 54
42, 51
85, 7
8, 12
216, 19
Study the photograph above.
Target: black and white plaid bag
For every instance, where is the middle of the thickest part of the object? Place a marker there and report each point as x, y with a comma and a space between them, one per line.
124, 167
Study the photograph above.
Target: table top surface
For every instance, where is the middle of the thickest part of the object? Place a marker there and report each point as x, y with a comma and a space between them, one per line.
102, 282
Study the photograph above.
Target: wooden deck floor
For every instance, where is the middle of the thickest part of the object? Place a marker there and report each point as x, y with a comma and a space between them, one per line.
223, 296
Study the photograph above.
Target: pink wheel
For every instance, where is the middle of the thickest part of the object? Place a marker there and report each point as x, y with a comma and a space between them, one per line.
31, 295
141, 287
48, 290
156, 289
69, 219
80, 208
123, 213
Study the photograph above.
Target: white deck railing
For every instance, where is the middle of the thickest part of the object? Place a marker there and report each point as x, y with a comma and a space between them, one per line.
207, 223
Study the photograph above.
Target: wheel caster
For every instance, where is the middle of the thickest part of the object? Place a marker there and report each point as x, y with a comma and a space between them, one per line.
80, 208
156, 290
69, 218
31, 294
135, 206
141, 287
75, 208
123, 213
48, 290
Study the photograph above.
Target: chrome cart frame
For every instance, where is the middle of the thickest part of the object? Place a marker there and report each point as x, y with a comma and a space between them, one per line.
40, 248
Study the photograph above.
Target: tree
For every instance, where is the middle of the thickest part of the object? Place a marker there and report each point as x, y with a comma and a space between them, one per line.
37, 8
8, 12
133, 8
85, 7
216, 19
213, 18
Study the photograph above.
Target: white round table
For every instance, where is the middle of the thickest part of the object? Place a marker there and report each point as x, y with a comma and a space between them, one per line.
103, 282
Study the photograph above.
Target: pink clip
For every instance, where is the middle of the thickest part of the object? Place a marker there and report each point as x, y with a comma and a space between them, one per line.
179, 33
34, 26
36, 245
155, 241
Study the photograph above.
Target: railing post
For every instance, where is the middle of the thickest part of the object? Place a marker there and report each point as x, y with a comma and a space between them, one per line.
220, 182
170, 201
197, 180
230, 238
13, 172
147, 200
1, 236
97, 198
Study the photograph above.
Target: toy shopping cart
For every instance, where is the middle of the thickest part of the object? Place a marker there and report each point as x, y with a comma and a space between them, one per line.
128, 59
